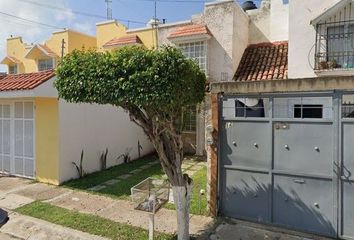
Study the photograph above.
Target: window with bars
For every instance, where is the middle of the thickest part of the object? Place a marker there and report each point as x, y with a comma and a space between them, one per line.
190, 119
197, 51
13, 69
335, 45
45, 64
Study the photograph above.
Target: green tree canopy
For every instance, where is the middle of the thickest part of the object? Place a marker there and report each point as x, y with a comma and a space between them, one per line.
155, 87
162, 82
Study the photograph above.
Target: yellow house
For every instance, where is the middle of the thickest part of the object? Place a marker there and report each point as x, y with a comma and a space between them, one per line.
112, 34
26, 58
40, 135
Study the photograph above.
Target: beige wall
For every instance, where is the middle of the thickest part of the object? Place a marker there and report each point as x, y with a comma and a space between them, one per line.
93, 128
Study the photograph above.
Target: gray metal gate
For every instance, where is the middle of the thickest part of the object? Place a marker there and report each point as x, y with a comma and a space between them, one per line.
288, 160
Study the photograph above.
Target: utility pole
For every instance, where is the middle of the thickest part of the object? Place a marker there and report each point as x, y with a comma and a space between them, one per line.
109, 9
62, 47
156, 25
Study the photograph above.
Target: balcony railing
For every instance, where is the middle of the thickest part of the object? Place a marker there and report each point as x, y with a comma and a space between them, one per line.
334, 48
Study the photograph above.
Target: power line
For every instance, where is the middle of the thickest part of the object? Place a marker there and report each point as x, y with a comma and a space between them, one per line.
86, 14
31, 21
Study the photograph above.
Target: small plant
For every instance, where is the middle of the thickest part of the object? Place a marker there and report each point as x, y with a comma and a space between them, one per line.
323, 65
79, 168
332, 64
125, 156
103, 160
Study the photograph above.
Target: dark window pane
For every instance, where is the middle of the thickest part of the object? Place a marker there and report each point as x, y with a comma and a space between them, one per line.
308, 111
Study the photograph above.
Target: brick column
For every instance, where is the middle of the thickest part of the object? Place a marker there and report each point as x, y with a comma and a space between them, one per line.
213, 156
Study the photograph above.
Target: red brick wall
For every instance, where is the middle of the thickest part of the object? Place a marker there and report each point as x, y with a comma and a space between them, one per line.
213, 156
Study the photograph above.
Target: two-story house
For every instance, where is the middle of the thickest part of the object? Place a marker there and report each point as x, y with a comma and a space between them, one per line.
41, 135
280, 143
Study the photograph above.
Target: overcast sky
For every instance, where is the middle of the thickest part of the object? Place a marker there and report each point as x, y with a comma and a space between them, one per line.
129, 11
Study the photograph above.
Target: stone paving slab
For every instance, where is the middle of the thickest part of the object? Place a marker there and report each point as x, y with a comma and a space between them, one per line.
12, 183
97, 188
12, 201
41, 192
135, 171
144, 167
111, 182
83, 202
25, 227
123, 177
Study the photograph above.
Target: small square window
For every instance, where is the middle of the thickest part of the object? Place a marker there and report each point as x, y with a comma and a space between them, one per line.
308, 111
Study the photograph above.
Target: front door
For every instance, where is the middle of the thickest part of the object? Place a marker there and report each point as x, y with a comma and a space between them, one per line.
17, 138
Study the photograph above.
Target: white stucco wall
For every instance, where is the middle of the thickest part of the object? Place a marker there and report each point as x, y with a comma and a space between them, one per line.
279, 21
302, 35
93, 128
259, 26
270, 22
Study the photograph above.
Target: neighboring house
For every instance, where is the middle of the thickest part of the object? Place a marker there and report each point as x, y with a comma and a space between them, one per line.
41, 135
216, 39
112, 34
27, 58
280, 141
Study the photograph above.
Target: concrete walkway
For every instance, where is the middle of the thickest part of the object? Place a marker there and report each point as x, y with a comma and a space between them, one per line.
24, 227
24, 192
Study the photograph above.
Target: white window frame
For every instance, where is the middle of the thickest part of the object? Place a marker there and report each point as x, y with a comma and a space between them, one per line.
189, 54
46, 59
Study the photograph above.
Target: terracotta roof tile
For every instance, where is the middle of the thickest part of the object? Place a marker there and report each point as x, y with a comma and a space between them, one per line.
25, 81
126, 40
190, 30
49, 51
263, 61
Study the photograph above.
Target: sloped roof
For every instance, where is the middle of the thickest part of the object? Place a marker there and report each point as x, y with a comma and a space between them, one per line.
331, 10
126, 40
264, 61
190, 30
25, 81
44, 49
11, 59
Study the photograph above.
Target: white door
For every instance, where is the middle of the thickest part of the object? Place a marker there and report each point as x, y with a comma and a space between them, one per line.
5, 137
17, 138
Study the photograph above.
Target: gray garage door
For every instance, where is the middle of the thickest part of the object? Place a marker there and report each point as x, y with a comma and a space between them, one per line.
280, 161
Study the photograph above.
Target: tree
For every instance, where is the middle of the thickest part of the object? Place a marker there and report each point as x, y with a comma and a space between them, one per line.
155, 87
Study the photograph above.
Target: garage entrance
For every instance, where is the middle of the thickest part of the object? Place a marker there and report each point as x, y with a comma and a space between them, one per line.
17, 138
288, 160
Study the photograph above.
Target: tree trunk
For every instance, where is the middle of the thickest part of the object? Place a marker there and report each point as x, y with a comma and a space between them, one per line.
181, 196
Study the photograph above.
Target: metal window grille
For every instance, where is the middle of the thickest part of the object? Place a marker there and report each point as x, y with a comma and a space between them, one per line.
334, 48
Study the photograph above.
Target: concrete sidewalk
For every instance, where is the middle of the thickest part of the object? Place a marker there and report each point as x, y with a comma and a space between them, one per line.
24, 227
23, 192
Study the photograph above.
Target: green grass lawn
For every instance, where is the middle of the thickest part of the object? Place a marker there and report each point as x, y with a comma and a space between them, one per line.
86, 222
121, 190
198, 203
97, 178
